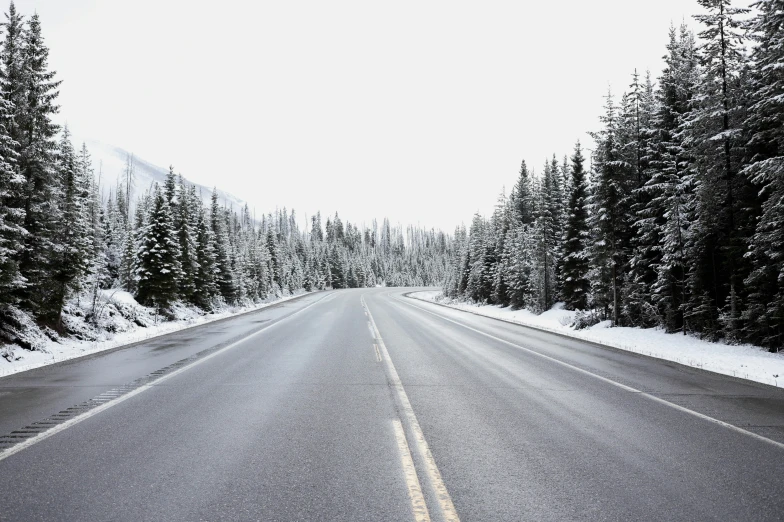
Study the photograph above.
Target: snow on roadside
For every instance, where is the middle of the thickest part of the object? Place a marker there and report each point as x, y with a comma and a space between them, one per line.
744, 361
125, 323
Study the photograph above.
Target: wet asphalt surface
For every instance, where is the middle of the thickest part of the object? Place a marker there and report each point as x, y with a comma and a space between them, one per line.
296, 423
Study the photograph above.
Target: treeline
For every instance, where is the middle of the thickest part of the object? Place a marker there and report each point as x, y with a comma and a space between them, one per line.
176, 248
60, 237
678, 221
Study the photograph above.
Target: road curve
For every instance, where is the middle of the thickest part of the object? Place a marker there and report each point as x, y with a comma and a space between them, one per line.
367, 405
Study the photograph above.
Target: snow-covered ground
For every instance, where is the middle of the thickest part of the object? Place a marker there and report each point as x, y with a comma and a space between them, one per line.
744, 361
123, 321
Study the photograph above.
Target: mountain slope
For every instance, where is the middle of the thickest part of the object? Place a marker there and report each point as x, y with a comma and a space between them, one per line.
110, 163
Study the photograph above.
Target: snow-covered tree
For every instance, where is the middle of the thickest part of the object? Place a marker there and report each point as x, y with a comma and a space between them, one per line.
713, 136
765, 123
158, 263
575, 265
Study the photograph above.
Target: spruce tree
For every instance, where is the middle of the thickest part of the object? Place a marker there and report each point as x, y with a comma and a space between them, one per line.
72, 253
765, 120
648, 218
37, 149
223, 276
337, 269
204, 285
11, 215
713, 132
12, 184
479, 284
500, 225
575, 266
158, 262
13, 76
187, 208
610, 216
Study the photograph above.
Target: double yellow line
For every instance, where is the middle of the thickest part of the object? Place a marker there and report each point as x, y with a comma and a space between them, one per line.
416, 439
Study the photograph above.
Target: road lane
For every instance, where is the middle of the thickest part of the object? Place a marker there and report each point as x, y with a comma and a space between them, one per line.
29, 396
519, 437
750, 405
303, 422
296, 424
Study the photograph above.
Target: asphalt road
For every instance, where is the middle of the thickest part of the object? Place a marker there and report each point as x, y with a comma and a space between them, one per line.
367, 405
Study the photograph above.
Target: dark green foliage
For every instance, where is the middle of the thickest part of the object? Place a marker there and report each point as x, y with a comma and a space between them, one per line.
764, 315
204, 286
220, 232
36, 159
158, 259
575, 265
73, 249
684, 222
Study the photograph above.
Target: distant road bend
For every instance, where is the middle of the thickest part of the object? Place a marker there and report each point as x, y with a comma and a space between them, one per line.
368, 405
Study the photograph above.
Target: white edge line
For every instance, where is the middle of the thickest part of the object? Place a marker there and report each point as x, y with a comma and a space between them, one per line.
604, 343
7, 372
103, 407
608, 381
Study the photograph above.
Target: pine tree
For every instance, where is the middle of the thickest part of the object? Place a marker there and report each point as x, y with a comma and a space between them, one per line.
274, 259
521, 218
575, 267
521, 200
647, 217
316, 233
337, 269
204, 285
158, 262
712, 135
11, 215
765, 312
610, 203
500, 226
187, 208
223, 276
479, 284
37, 148
129, 244
72, 252
13, 77
552, 220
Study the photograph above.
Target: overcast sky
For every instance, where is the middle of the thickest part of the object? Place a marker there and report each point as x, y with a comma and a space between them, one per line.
416, 110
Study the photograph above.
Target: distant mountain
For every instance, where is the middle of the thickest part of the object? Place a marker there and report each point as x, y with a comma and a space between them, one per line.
110, 162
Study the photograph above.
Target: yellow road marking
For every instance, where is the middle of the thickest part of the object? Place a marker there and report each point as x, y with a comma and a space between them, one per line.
414, 489
448, 511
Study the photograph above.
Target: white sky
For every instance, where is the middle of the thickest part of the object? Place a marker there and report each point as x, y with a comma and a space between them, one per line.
416, 110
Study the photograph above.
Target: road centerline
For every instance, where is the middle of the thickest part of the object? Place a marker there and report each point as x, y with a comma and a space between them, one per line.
418, 504
408, 417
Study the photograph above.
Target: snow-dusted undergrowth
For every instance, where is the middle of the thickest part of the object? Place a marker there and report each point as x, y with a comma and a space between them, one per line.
744, 361
120, 321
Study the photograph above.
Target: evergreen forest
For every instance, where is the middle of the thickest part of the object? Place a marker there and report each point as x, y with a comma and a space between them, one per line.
676, 217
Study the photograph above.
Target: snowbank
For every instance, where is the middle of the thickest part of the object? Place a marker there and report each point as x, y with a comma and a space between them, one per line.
744, 361
121, 321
